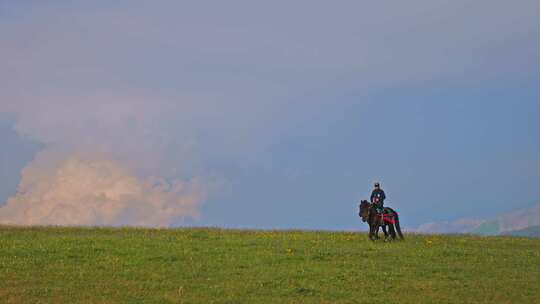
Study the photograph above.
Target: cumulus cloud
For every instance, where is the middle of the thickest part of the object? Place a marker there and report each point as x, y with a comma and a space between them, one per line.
108, 160
90, 190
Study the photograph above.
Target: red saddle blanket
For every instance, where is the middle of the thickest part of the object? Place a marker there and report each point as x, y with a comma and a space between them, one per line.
389, 218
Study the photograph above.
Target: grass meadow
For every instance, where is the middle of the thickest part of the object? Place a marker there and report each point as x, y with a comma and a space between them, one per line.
199, 265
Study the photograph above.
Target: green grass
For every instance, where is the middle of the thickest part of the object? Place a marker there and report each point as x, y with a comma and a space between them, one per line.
94, 265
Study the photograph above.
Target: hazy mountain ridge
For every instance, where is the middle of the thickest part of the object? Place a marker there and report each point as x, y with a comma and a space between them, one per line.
532, 231
507, 223
463, 225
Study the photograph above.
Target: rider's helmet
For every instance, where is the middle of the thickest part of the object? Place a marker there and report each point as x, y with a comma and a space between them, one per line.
377, 185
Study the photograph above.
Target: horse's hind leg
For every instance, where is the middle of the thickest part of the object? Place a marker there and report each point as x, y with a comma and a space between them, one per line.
392, 231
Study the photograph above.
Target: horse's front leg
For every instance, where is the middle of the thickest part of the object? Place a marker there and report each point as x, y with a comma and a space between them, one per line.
372, 232
380, 226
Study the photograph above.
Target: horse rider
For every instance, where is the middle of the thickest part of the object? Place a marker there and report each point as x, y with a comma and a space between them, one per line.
377, 197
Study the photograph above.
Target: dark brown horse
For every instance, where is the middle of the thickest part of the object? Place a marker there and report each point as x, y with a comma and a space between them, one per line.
389, 218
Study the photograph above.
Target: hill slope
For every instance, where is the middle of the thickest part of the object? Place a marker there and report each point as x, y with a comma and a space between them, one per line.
532, 231
503, 224
75, 265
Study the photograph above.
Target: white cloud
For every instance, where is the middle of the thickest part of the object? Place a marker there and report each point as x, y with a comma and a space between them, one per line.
82, 190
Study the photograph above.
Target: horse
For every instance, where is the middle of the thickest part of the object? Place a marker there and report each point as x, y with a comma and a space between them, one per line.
375, 220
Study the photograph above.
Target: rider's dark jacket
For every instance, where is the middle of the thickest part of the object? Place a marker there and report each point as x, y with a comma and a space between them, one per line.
378, 196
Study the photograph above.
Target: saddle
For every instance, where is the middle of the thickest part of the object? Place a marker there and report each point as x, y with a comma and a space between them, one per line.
385, 215
379, 209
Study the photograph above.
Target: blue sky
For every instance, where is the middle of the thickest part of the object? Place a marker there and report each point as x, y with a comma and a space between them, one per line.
287, 113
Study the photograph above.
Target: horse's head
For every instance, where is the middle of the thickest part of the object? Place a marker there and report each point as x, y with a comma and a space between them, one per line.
364, 210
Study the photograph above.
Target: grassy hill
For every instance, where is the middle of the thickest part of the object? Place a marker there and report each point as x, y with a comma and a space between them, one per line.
92, 265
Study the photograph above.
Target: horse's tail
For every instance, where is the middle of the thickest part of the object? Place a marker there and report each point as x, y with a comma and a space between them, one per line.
398, 228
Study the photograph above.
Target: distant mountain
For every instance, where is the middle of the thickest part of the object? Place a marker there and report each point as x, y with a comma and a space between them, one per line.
533, 231
520, 219
516, 221
458, 226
